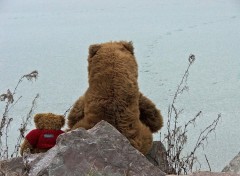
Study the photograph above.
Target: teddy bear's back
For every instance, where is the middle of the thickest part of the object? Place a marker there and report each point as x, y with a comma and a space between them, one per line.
113, 91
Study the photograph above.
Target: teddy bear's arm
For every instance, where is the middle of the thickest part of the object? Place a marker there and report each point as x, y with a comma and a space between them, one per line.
76, 113
149, 114
24, 146
30, 141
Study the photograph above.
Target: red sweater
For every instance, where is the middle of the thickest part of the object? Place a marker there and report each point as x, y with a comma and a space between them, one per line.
43, 139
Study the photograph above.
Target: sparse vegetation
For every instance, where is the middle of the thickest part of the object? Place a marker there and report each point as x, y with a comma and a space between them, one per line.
9, 99
177, 135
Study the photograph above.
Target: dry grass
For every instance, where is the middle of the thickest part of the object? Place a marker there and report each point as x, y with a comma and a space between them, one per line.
9, 99
176, 138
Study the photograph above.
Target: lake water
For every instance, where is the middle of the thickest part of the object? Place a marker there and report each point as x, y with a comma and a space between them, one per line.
53, 37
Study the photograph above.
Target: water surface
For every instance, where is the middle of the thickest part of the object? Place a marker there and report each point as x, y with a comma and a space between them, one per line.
53, 37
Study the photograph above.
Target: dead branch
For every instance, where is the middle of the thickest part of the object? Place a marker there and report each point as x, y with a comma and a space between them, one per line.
5, 123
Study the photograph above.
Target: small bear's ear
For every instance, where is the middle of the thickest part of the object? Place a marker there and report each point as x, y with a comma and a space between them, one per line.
129, 46
93, 49
37, 117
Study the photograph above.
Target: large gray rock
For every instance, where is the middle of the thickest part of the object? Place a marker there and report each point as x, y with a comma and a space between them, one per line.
158, 157
234, 165
101, 150
95, 152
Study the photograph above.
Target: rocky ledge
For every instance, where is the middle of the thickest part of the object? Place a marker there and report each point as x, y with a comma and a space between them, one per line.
99, 151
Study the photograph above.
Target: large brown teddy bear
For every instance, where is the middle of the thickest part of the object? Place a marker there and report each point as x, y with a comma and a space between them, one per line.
41, 139
113, 95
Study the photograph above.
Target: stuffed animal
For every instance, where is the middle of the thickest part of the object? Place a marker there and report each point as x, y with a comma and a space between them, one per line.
113, 95
41, 139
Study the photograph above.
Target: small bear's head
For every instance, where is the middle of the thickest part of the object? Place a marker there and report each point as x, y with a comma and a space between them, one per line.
49, 121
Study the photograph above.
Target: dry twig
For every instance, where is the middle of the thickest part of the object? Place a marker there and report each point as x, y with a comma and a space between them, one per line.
5, 120
176, 137
23, 127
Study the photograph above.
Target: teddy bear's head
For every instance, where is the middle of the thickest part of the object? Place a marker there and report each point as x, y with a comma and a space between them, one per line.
122, 45
118, 56
49, 121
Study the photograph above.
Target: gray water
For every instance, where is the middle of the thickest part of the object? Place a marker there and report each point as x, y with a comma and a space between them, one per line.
53, 37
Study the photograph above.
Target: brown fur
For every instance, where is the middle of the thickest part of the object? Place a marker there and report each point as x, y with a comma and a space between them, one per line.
113, 95
46, 121
76, 113
26, 145
149, 114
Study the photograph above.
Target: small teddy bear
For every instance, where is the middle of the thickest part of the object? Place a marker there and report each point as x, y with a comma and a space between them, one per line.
41, 139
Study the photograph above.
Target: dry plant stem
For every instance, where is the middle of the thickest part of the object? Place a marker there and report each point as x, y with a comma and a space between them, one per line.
176, 137
180, 89
8, 96
14, 103
208, 163
26, 162
23, 128
204, 134
175, 140
67, 111
6, 135
30, 77
5, 120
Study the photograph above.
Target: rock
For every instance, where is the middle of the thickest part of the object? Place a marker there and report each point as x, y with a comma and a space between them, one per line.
212, 174
158, 157
101, 150
17, 166
234, 165
12, 166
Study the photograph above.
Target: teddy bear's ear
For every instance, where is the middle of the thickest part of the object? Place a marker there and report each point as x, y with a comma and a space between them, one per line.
93, 49
37, 117
129, 46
